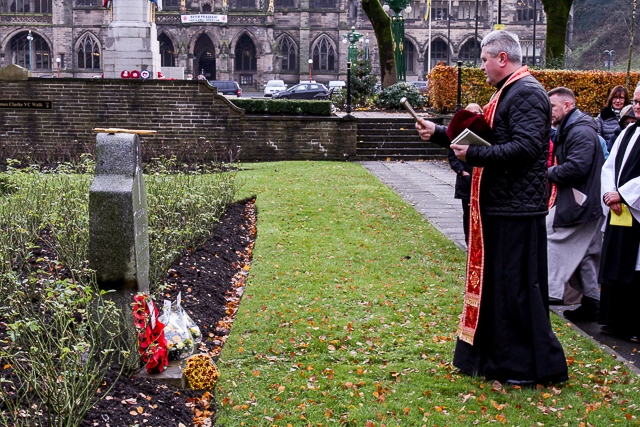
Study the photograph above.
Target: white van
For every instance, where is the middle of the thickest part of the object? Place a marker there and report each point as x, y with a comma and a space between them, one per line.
336, 84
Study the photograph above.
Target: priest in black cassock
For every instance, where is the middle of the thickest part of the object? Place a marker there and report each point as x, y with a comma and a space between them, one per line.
505, 332
620, 261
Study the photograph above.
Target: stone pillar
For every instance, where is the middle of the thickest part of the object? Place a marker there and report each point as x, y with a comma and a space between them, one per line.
118, 226
305, 41
132, 40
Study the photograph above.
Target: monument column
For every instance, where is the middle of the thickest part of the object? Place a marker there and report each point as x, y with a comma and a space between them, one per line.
132, 40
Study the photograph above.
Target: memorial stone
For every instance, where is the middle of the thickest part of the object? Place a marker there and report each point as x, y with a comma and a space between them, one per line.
132, 40
118, 224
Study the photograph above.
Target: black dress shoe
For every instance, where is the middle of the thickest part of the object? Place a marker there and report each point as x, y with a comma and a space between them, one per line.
522, 383
608, 330
583, 313
555, 301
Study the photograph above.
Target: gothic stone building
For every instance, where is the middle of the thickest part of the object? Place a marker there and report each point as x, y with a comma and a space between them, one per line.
261, 39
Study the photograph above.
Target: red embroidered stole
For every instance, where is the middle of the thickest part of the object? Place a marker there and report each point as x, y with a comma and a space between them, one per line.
475, 252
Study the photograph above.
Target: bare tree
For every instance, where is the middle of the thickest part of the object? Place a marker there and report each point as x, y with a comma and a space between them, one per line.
557, 18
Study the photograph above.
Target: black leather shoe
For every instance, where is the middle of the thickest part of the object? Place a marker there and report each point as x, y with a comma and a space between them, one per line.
582, 314
522, 383
555, 301
608, 330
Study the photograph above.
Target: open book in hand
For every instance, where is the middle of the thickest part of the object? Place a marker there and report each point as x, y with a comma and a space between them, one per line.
468, 137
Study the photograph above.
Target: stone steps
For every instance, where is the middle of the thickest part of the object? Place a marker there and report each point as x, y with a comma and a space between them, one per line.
390, 138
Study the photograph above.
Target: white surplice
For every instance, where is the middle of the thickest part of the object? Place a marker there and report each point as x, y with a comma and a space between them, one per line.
630, 191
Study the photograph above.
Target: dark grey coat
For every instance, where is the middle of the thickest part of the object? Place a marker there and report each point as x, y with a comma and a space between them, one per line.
580, 159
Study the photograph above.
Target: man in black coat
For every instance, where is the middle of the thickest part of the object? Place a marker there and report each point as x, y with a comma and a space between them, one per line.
513, 340
575, 220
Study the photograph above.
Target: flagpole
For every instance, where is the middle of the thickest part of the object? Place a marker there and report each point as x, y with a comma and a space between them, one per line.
429, 49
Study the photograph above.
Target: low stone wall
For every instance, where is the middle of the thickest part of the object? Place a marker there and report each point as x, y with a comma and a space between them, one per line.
191, 120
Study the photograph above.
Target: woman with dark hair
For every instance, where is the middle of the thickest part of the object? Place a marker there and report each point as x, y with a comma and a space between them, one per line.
607, 120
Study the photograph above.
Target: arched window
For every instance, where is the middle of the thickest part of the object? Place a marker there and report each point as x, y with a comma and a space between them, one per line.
206, 8
324, 55
289, 56
40, 52
525, 11
88, 53
30, 6
409, 55
439, 52
246, 54
167, 55
470, 51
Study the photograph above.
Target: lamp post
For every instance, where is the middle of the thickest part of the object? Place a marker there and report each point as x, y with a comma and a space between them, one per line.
459, 100
352, 38
30, 39
347, 108
310, 70
397, 29
476, 53
449, 34
58, 60
535, 19
609, 61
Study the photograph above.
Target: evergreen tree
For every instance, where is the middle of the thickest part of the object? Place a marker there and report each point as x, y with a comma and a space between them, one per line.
363, 82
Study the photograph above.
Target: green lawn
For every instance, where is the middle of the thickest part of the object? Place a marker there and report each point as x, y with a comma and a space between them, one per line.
349, 318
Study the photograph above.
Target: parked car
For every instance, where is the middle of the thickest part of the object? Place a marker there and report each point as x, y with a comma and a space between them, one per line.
422, 86
304, 91
227, 87
274, 86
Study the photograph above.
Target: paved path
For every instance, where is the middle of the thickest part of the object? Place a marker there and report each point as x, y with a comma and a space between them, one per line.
429, 186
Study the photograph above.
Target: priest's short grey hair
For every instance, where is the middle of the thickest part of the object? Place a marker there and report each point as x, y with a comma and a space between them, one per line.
503, 41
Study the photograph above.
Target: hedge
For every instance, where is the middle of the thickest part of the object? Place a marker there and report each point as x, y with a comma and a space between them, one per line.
591, 87
284, 106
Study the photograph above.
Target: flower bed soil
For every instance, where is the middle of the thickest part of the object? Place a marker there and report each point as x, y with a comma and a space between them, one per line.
211, 280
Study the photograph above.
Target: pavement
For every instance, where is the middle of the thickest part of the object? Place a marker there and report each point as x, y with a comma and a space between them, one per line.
428, 186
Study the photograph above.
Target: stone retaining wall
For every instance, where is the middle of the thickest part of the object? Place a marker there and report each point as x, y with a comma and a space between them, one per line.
192, 122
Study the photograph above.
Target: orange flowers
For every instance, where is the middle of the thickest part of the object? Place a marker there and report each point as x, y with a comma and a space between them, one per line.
201, 372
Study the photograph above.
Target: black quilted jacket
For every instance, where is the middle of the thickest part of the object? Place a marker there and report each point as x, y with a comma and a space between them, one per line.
607, 122
514, 181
